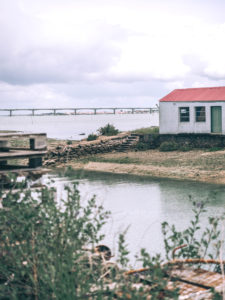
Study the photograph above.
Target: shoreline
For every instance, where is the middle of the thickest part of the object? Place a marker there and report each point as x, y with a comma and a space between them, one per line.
174, 165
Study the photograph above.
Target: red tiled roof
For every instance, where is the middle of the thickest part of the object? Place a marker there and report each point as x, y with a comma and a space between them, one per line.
196, 94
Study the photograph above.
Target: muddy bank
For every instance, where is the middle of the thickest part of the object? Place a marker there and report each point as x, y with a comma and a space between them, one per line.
196, 165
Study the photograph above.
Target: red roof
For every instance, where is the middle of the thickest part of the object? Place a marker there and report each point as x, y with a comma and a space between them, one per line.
196, 94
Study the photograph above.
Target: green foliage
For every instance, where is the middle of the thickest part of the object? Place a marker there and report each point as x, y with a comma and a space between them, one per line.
185, 148
147, 130
213, 149
69, 142
157, 275
140, 146
41, 244
168, 146
204, 244
108, 130
44, 242
123, 251
92, 137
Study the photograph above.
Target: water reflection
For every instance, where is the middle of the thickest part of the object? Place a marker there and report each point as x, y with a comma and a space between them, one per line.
142, 204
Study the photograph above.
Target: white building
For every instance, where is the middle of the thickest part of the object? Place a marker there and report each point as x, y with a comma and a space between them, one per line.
194, 110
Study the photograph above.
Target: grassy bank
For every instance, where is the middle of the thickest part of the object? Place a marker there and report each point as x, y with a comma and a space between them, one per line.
197, 165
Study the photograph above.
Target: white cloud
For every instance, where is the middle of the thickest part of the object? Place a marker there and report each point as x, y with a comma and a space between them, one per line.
67, 51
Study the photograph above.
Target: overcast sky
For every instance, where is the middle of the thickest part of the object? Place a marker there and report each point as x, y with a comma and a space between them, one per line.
99, 53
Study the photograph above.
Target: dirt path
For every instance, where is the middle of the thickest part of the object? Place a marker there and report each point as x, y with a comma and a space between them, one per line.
197, 165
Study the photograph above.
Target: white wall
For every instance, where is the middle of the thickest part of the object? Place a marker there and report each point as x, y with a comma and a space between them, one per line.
169, 121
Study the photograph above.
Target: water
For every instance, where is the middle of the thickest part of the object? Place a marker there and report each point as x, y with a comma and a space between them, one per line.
71, 127
138, 203
142, 204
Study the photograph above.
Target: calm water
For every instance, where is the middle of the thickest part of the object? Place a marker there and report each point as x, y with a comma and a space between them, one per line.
137, 203
70, 127
142, 204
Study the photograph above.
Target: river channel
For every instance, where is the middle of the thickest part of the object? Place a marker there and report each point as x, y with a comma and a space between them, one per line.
142, 204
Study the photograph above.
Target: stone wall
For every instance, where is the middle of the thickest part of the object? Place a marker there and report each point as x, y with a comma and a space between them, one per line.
192, 140
64, 153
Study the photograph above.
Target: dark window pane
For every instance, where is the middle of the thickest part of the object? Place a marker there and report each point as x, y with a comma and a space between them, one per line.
184, 114
200, 114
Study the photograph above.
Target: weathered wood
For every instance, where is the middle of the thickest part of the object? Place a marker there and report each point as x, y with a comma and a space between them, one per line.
38, 143
14, 154
21, 134
38, 146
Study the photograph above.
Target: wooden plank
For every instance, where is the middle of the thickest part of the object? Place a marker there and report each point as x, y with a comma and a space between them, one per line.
14, 154
21, 134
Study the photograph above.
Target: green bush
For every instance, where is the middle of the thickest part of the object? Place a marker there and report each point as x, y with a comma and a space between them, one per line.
140, 146
168, 146
147, 130
44, 247
185, 148
41, 245
92, 137
108, 130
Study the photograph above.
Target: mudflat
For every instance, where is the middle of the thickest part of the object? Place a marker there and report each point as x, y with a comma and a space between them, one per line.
196, 165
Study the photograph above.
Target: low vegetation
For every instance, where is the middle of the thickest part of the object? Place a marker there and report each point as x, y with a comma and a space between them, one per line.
168, 146
108, 130
147, 130
48, 249
92, 137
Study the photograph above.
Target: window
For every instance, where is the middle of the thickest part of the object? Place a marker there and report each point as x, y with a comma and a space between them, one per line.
184, 114
200, 113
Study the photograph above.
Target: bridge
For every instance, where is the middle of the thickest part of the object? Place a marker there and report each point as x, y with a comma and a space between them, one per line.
75, 111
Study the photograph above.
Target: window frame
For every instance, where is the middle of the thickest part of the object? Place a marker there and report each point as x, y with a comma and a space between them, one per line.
183, 118
199, 116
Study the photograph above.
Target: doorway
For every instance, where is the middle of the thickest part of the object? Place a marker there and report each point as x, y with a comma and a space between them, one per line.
216, 119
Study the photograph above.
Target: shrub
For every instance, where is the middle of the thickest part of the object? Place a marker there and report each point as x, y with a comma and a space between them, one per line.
168, 146
108, 130
194, 242
185, 148
41, 245
147, 130
44, 250
140, 146
92, 137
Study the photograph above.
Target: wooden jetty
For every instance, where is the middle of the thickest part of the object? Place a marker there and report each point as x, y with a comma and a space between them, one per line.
75, 111
193, 283
37, 146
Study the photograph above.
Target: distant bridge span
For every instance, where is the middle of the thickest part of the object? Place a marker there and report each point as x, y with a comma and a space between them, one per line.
75, 111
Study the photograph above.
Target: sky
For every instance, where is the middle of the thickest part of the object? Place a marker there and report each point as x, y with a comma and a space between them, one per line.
107, 53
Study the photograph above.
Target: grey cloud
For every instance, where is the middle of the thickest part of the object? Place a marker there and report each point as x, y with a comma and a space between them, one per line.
26, 57
199, 67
